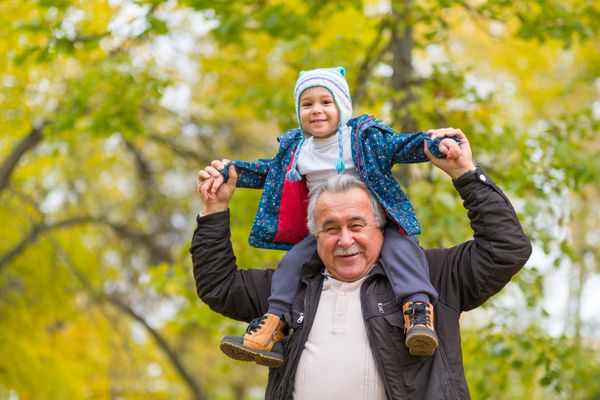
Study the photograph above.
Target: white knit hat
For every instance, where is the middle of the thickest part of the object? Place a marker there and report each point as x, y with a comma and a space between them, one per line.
332, 79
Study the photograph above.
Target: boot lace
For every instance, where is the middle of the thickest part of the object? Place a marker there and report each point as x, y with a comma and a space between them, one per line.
420, 314
256, 324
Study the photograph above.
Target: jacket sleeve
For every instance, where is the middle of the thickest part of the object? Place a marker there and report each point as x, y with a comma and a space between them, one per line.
236, 293
469, 274
251, 174
409, 148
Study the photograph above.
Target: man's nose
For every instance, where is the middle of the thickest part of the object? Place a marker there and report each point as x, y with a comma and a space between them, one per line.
346, 239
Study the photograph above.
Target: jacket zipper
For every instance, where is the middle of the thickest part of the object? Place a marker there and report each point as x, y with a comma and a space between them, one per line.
358, 157
380, 305
375, 353
447, 369
307, 318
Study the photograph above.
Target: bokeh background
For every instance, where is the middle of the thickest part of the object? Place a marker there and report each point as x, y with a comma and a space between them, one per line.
109, 108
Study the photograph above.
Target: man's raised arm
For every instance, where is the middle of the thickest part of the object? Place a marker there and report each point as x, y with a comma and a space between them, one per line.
470, 273
238, 294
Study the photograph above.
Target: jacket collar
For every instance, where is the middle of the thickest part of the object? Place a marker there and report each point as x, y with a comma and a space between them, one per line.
355, 122
313, 267
293, 135
377, 269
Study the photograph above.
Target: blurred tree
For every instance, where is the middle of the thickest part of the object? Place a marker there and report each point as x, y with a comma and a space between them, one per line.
108, 109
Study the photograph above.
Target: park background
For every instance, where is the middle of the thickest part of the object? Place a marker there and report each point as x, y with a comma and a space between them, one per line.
109, 108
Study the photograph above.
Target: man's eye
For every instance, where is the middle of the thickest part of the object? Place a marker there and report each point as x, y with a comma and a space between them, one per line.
357, 227
331, 230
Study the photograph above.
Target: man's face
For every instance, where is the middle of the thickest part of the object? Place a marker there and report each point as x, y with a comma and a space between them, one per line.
319, 115
348, 240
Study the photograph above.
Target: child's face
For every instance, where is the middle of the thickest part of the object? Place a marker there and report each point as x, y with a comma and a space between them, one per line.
319, 115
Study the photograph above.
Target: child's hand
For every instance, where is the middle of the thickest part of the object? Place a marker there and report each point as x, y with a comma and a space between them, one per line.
448, 147
446, 132
210, 179
214, 194
459, 164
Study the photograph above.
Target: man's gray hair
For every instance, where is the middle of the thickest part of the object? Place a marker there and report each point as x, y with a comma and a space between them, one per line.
339, 184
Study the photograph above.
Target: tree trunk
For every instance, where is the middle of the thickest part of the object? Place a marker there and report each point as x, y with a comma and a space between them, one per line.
402, 97
582, 253
239, 391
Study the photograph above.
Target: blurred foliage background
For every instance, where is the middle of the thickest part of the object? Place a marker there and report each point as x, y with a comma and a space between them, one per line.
108, 108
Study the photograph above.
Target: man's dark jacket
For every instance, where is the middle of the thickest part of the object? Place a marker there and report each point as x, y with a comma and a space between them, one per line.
465, 276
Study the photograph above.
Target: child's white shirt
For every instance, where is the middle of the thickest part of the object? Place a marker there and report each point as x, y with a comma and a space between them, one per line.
318, 157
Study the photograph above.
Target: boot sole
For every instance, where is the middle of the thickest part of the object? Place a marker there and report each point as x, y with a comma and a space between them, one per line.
422, 343
243, 353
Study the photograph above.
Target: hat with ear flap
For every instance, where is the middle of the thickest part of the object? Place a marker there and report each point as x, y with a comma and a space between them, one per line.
334, 80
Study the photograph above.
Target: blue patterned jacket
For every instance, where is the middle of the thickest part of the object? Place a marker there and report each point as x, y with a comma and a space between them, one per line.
375, 150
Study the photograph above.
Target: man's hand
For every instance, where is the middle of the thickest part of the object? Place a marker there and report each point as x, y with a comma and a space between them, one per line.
459, 157
214, 193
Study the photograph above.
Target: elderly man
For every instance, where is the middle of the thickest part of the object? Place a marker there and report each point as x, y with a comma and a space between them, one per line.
346, 339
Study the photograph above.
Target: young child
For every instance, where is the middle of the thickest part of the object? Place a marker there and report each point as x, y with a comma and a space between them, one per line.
329, 142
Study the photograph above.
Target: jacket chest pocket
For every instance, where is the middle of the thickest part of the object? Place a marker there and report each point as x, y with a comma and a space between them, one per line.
386, 322
295, 320
296, 317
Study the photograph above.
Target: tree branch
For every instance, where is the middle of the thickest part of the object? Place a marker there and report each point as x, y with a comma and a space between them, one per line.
145, 173
143, 167
36, 231
28, 143
176, 148
157, 253
35, 135
371, 59
197, 392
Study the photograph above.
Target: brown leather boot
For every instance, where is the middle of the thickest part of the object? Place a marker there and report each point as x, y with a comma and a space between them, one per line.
260, 343
421, 338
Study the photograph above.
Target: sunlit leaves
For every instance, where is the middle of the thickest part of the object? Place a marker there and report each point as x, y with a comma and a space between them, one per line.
129, 121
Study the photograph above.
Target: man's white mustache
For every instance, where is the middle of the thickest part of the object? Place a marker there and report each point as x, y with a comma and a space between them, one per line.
348, 251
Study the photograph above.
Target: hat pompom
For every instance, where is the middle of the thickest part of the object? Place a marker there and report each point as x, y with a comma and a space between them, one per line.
293, 175
340, 70
339, 165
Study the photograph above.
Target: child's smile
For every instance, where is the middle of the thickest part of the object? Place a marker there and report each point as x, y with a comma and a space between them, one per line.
319, 114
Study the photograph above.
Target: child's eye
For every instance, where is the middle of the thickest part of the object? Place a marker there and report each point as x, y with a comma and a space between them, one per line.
306, 105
